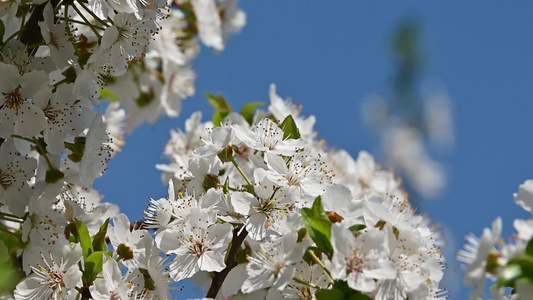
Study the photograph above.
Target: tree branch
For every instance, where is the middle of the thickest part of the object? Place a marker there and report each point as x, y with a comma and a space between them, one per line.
32, 32
231, 262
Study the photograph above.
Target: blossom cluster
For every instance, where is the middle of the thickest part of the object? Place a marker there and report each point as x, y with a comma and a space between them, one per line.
59, 60
413, 118
509, 264
257, 206
258, 198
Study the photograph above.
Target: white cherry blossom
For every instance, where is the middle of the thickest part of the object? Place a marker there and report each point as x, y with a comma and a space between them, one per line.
198, 246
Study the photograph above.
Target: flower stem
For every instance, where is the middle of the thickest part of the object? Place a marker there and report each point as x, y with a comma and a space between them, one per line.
240, 170
43, 153
23, 138
92, 13
309, 284
87, 22
318, 262
80, 22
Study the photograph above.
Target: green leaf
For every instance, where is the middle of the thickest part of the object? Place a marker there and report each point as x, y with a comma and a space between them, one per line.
124, 252
2, 31
53, 175
359, 296
290, 130
219, 116
70, 75
219, 103
509, 275
225, 188
249, 188
210, 181
330, 295
99, 243
318, 209
225, 155
357, 228
77, 148
529, 248
348, 292
248, 111
93, 266
221, 106
82, 233
107, 94
520, 267
319, 231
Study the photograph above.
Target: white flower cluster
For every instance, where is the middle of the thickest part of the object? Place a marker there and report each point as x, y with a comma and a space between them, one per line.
510, 264
58, 59
257, 198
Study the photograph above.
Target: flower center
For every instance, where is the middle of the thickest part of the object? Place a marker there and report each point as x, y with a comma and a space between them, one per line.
50, 113
14, 99
6, 180
293, 179
54, 41
197, 248
354, 264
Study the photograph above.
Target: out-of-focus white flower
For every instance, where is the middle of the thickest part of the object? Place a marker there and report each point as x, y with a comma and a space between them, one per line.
209, 23
438, 116
476, 254
406, 150
524, 197
234, 18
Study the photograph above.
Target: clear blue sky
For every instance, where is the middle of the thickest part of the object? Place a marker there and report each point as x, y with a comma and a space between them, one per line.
329, 55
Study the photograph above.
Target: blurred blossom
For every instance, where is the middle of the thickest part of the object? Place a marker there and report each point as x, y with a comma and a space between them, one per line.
438, 115
406, 151
417, 116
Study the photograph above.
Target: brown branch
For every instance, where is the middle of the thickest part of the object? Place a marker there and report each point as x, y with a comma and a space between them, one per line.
231, 262
32, 32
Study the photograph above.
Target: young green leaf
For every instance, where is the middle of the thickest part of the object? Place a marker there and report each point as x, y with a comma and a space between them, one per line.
319, 231
290, 130
2, 31
99, 243
53, 175
333, 294
109, 95
248, 111
93, 266
218, 102
225, 155
219, 116
82, 233
529, 248
221, 106
318, 209
356, 228
520, 267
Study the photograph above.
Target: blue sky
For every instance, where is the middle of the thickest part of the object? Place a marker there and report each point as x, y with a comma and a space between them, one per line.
330, 56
